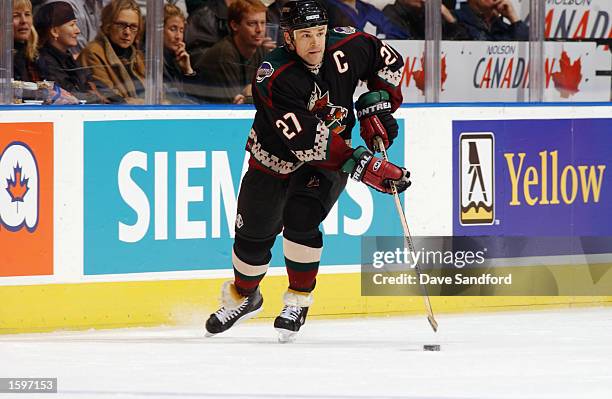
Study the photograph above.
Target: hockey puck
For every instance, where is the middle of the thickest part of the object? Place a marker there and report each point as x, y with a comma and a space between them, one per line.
435, 348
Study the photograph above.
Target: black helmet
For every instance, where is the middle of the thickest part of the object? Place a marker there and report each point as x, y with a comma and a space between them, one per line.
300, 14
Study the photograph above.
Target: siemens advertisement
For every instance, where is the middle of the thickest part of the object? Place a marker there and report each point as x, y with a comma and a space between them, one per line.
160, 195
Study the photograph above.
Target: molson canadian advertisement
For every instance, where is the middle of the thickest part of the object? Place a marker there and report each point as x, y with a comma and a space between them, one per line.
577, 59
499, 71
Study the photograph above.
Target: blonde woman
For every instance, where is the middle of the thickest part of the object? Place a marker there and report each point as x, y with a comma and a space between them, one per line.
114, 61
179, 77
25, 43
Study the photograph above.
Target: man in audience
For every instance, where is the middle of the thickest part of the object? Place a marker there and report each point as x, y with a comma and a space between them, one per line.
193, 5
273, 16
228, 67
358, 13
410, 16
206, 26
492, 20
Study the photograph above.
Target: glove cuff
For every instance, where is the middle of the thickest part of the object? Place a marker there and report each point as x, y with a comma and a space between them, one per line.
356, 165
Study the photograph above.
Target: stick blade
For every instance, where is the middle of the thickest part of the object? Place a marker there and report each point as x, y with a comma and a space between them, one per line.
433, 323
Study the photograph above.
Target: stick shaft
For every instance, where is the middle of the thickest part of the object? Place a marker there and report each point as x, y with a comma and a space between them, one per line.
409, 243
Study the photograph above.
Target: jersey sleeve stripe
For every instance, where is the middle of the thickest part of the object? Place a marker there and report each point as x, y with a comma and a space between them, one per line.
273, 78
346, 39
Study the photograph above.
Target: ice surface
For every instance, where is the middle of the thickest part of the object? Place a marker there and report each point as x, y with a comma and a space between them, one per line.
543, 354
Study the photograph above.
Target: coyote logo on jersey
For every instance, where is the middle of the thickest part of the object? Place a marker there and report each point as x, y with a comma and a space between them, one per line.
332, 115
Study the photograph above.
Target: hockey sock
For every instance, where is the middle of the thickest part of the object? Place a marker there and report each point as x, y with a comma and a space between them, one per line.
302, 265
250, 258
247, 277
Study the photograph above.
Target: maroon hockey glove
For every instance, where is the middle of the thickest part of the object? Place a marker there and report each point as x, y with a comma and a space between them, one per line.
377, 173
375, 119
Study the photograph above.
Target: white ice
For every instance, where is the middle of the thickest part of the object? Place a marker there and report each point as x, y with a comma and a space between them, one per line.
544, 354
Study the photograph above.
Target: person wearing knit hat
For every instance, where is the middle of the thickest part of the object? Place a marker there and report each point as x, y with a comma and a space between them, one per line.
57, 26
88, 14
55, 20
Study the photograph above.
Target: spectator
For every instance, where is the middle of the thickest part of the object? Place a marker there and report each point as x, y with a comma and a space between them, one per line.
178, 73
358, 13
484, 20
25, 43
410, 16
229, 66
59, 32
116, 65
179, 3
206, 26
193, 5
273, 17
87, 13
274, 12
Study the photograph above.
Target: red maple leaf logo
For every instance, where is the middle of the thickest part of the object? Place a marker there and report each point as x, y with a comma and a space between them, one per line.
443, 74
569, 77
419, 76
18, 187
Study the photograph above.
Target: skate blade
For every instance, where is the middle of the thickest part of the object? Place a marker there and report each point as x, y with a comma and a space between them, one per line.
240, 320
286, 336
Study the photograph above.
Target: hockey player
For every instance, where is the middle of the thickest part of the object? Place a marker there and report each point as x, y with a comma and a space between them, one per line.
300, 155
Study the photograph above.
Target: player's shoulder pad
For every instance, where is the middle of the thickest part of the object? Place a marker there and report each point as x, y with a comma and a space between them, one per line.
271, 68
278, 73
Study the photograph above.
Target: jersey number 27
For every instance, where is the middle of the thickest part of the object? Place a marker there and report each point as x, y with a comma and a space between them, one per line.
288, 131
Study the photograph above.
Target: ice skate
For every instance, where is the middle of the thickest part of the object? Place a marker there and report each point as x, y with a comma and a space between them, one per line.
235, 309
293, 315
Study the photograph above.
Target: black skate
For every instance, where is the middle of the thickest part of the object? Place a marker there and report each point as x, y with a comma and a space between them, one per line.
293, 315
234, 309
288, 323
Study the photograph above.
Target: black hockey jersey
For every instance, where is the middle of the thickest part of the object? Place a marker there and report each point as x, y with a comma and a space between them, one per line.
306, 115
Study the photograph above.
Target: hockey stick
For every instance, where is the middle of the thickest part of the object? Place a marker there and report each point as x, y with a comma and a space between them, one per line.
408, 241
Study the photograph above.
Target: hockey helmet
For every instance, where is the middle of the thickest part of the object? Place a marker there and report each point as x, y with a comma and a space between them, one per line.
301, 14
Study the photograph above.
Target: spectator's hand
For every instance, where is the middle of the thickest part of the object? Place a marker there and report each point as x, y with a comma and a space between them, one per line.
183, 59
239, 99
247, 91
506, 9
268, 44
447, 15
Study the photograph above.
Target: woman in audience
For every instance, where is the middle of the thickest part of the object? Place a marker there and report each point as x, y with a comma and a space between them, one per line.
117, 66
25, 42
179, 76
58, 29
